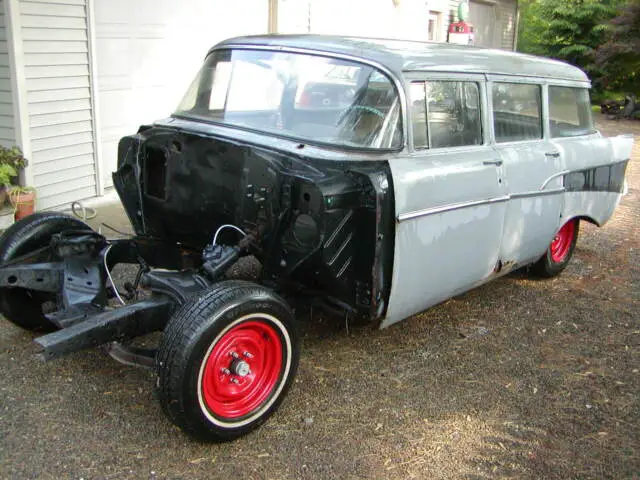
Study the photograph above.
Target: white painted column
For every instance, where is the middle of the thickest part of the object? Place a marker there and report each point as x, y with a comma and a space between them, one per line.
18, 84
95, 117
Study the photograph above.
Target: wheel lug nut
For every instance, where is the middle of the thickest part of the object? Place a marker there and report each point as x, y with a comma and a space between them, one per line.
247, 354
234, 380
234, 354
226, 371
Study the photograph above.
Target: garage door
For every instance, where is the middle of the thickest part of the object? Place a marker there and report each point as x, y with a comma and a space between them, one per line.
483, 18
147, 52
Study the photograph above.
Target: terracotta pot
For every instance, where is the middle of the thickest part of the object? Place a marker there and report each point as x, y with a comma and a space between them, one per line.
23, 201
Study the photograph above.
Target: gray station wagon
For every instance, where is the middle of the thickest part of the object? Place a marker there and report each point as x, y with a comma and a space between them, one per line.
372, 178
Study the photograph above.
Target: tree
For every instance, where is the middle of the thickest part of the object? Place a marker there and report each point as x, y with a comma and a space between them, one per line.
569, 30
619, 56
531, 24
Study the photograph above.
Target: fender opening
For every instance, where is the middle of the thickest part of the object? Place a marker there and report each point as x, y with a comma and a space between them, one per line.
322, 230
321, 227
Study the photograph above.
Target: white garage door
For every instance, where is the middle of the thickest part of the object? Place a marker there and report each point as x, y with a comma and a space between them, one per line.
483, 18
147, 52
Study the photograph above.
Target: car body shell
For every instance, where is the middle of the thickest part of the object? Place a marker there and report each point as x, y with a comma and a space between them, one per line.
417, 225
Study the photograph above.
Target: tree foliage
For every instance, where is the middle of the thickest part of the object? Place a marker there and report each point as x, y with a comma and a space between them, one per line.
619, 56
574, 31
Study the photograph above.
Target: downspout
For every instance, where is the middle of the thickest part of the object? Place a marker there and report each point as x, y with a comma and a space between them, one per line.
517, 27
272, 27
93, 82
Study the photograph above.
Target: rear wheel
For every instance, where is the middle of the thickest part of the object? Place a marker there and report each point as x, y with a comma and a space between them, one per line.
21, 306
559, 252
227, 360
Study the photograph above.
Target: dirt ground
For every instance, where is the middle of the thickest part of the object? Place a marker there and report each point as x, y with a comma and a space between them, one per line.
518, 379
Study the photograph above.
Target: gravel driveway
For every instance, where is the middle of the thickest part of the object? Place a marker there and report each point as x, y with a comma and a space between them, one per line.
519, 378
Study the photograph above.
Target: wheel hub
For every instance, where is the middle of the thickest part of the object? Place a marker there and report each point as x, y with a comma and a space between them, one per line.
240, 368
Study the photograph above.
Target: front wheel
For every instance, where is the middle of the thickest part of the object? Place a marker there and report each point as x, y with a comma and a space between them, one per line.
227, 360
559, 252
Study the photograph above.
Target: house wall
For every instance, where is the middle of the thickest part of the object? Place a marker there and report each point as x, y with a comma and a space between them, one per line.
7, 119
147, 52
405, 19
86, 72
58, 98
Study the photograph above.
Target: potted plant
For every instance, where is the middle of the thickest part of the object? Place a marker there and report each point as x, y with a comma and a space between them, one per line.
13, 156
7, 172
23, 200
12, 161
6, 214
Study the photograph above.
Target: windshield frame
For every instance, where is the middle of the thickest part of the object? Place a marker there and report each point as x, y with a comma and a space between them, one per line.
396, 83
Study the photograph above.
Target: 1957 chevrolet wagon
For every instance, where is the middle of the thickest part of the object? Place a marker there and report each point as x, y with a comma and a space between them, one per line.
373, 178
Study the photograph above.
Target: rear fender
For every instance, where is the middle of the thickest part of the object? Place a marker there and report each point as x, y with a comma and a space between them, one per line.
594, 192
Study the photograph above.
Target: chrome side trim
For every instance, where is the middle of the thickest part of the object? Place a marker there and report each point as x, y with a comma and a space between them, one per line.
535, 193
320, 53
555, 175
453, 206
456, 206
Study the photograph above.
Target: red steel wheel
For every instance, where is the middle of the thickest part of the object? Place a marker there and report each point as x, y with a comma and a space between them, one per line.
559, 251
226, 360
241, 369
562, 242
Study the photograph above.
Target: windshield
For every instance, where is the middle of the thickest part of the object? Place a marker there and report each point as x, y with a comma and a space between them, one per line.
307, 97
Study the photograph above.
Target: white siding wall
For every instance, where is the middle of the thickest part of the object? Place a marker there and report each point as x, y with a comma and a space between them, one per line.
56, 65
7, 127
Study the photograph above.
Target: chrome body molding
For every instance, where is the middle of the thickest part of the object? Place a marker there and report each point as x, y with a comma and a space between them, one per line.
555, 175
455, 206
552, 191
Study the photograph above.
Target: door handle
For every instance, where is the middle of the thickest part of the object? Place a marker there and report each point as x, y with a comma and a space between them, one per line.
552, 154
497, 163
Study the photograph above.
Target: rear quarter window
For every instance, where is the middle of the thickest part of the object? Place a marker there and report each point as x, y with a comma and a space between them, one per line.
569, 112
517, 112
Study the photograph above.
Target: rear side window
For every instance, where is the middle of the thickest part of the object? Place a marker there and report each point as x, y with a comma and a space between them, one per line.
517, 112
569, 112
445, 114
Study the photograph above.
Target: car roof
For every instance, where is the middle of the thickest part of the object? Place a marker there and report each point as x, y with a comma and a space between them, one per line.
400, 56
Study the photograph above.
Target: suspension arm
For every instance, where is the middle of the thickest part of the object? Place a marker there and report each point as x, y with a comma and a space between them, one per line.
129, 321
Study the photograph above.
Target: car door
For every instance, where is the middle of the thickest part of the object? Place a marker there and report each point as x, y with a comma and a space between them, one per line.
532, 166
449, 196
